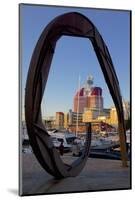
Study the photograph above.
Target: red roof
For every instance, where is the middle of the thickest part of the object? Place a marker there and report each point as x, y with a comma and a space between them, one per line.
97, 91
61, 113
81, 92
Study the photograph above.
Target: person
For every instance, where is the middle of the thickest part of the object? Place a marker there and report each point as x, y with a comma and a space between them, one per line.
61, 148
77, 147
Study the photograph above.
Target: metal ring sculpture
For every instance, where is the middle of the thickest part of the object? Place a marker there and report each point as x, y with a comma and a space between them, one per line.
71, 24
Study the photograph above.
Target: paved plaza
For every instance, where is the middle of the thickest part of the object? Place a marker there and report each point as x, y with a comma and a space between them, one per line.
98, 174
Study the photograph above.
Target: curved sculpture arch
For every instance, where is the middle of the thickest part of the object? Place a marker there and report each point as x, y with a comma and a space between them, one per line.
71, 24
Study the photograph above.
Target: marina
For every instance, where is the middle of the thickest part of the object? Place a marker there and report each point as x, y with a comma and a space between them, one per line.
103, 170
107, 147
104, 145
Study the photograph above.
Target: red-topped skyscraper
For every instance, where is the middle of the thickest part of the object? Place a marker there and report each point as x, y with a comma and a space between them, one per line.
88, 97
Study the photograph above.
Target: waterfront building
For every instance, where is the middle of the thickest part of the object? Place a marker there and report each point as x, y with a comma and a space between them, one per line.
113, 116
80, 129
87, 116
49, 122
59, 120
74, 117
90, 114
106, 112
66, 120
113, 113
75, 122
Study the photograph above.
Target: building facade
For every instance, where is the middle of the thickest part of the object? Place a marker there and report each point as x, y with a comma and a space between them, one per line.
59, 120
95, 99
66, 120
113, 116
75, 117
88, 97
80, 101
49, 122
113, 113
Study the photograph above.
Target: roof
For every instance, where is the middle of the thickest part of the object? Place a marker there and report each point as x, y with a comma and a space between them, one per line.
96, 91
61, 113
81, 92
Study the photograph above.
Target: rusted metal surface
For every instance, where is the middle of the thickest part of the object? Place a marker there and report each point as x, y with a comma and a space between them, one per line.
71, 24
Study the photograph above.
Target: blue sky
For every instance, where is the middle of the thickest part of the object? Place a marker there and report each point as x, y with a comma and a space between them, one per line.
75, 56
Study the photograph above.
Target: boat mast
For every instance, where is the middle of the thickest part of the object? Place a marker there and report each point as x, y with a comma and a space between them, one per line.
99, 101
78, 106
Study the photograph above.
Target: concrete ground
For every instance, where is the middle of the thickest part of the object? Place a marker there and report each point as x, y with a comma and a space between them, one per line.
98, 174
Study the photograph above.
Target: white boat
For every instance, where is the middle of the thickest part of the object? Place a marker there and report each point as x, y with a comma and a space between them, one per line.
128, 136
66, 138
113, 136
101, 141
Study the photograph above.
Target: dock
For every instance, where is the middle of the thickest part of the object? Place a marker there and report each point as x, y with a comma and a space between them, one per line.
97, 175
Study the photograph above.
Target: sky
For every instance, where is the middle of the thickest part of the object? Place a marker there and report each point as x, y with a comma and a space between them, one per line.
75, 56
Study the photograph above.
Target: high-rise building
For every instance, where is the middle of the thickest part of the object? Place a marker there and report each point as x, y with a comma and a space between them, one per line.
95, 99
80, 101
88, 97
